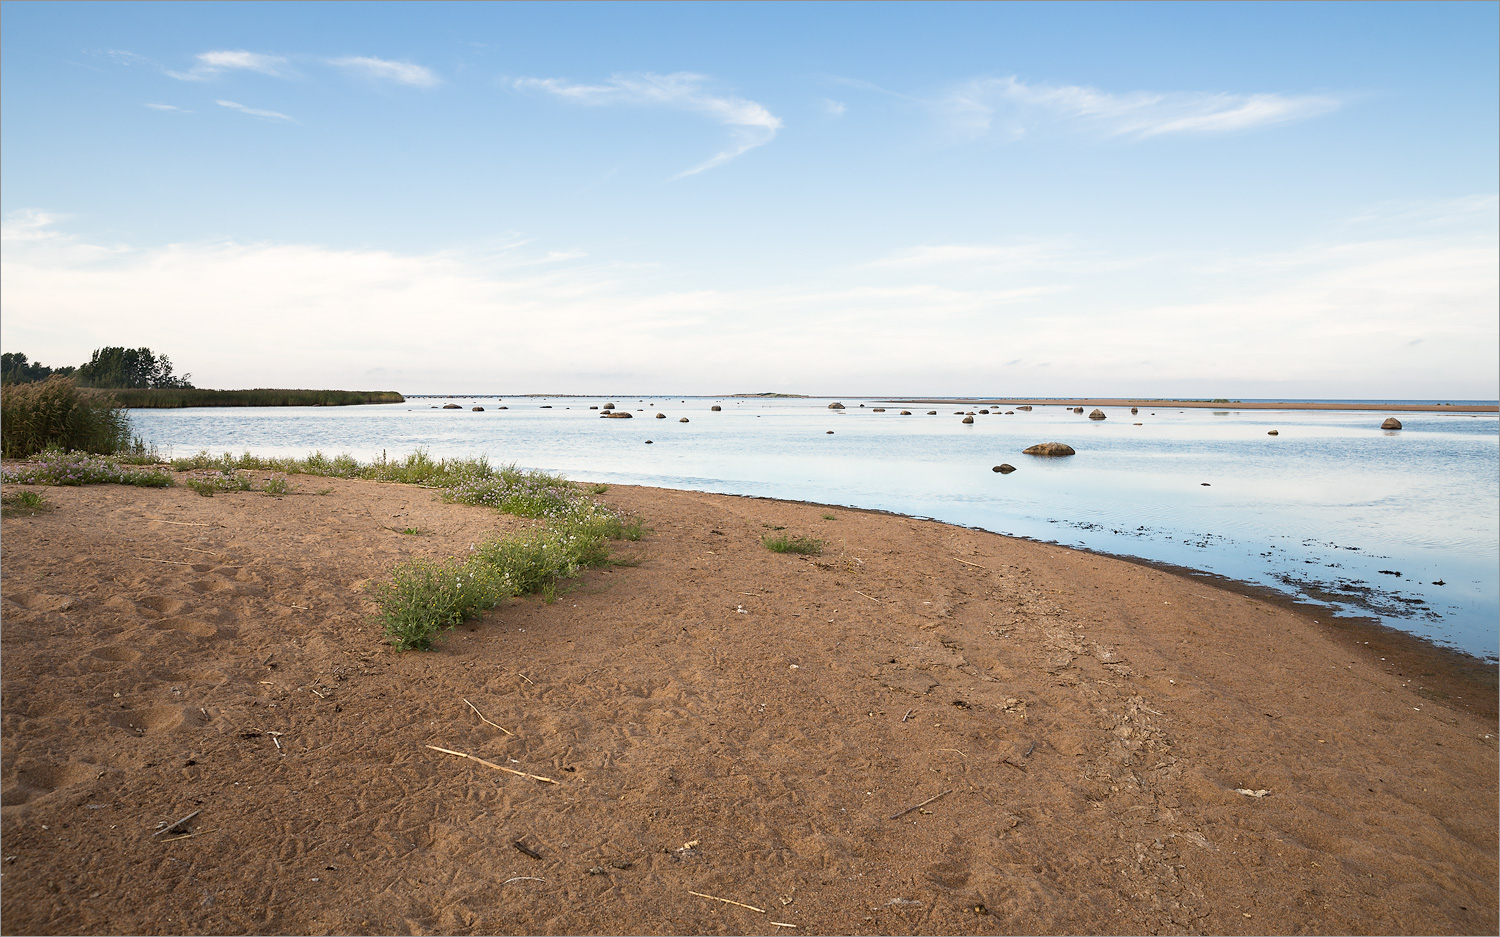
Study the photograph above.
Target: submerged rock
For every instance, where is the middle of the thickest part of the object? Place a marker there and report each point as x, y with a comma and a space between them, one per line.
451, 406
1004, 468
617, 415
1024, 407
906, 413
1391, 423
1050, 449
932, 413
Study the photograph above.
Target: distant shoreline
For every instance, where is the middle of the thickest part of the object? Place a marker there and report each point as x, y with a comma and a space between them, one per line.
144, 398
1194, 404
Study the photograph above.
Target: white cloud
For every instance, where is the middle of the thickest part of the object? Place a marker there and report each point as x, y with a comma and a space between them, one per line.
834, 108
383, 69
976, 106
168, 107
255, 112
1343, 322
212, 64
752, 124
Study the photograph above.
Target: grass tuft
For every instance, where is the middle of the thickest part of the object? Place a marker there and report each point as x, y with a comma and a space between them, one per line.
781, 543
24, 504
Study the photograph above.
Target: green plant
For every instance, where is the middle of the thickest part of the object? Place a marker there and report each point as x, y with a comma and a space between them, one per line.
58, 414
275, 486
205, 487
781, 543
597, 489
26, 503
324, 491
55, 467
829, 517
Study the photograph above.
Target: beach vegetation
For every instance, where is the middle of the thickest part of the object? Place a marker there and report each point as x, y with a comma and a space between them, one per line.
171, 398
781, 543
56, 467
276, 486
829, 517
58, 414
422, 599
25, 503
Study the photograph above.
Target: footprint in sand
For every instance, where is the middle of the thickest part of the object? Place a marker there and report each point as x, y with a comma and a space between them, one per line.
33, 781
198, 629
42, 601
162, 605
153, 720
115, 653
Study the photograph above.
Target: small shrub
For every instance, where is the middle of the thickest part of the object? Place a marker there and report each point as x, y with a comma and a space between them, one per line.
829, 517
275, 486
58, 414
205, 487
423, 599
597, 489
781, 543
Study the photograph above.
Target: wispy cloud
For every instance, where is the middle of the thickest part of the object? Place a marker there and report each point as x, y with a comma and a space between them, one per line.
256, 112
834, 108
976, 107
404, 73
752, 124
212, 64
168, 107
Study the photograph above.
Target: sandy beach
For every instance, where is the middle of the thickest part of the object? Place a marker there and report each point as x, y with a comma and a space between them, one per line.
926, 729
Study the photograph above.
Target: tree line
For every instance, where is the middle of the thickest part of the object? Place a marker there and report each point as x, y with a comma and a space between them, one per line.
115, 367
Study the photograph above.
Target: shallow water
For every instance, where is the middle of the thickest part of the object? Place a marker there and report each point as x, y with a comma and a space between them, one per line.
1403, 526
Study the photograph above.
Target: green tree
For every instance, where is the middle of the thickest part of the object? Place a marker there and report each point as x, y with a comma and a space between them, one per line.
117, 366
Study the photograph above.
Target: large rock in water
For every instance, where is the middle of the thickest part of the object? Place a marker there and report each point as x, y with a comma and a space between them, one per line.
716, 408
835, 406
661, 416
1024, 406
451, 406
1049, 449
968, 419
1097, 414
617, 415
1391, 423
1004, 468
477, 409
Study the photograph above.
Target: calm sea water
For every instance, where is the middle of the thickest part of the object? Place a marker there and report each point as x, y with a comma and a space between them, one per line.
1401, 526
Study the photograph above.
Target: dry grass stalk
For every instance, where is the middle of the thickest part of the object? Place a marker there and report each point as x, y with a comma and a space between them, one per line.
486, 721
491, 764
739, 904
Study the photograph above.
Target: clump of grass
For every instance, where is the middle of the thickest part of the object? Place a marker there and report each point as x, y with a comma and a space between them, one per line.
227, 480
516, 491
24, 503
423, 599
781, 543
597, 489
58, 414
56, 467
204, 486
275, 486
829, 517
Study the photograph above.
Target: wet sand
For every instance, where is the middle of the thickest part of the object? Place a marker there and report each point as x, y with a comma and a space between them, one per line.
1088, 738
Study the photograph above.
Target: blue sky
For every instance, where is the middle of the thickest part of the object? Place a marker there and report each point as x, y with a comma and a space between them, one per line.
1218, 200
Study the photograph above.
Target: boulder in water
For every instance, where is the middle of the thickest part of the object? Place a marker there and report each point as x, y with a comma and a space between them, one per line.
1097, 414
716, 408
968, 419
1004, 468
835, 406
1050, 449
1391, 423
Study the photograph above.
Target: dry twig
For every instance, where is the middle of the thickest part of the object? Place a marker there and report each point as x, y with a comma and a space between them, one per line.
870, 597
177, 824
967, 563
484, 720
727, 901
897, 816
167, 562
490, 764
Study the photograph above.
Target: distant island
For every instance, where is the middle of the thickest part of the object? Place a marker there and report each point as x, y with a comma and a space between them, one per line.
148, 398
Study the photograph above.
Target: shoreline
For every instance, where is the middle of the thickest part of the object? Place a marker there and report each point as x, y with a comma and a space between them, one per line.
1190, 404
708, 716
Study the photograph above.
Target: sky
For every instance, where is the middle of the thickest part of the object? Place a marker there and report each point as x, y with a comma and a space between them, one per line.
1137, 199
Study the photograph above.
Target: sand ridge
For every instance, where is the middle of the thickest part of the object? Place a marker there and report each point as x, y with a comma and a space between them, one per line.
719, 719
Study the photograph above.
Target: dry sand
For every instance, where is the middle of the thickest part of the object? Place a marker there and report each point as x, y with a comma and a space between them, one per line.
719, 719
